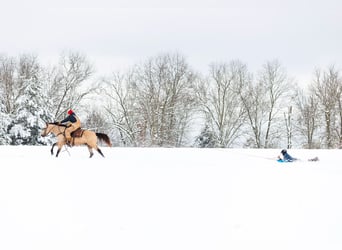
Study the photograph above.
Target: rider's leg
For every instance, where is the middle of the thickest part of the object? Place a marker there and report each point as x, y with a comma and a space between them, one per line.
68, 134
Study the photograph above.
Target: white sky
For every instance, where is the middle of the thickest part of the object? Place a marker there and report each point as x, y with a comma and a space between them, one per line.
114, 35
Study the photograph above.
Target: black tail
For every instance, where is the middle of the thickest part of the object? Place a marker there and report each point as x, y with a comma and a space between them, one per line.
105, 138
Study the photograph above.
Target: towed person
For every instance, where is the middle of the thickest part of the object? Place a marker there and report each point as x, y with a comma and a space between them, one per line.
286, 157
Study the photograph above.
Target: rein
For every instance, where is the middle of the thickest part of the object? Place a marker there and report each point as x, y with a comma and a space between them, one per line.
59, 129
47, 132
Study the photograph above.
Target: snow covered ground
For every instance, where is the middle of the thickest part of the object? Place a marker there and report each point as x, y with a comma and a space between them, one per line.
160, 199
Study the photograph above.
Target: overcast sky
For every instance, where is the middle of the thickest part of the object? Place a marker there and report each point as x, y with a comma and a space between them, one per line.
115, 35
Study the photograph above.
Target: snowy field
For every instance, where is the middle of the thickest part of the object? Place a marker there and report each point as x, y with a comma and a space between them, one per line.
169, 199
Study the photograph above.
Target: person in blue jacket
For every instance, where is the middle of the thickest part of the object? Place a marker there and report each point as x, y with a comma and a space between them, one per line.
285, 157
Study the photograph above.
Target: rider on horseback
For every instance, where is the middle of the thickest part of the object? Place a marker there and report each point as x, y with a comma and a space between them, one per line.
72, 123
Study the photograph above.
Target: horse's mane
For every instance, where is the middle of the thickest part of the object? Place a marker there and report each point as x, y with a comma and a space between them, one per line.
58, 124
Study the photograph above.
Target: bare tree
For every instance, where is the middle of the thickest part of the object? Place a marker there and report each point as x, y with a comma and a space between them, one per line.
8, 83
67, 82
338, 126
263, 101
122, 107
327, 88
274, 80
307, 120
164, 86
154, 101
220, 102
288, 125
252, 99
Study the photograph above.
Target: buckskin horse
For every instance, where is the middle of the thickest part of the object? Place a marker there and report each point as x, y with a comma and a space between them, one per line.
86, 137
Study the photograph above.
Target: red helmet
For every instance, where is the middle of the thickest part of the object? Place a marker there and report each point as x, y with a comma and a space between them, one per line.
70, 111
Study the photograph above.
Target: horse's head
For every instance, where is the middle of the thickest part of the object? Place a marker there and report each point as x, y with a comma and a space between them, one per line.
47, 130
44, 130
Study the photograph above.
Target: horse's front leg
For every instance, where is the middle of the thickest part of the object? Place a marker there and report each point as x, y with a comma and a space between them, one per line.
53, 145
60, 145
59, 150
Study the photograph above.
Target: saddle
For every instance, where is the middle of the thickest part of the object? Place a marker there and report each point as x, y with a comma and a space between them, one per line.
77, 133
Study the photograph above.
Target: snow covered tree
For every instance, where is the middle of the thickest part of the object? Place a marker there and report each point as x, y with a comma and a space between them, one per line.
206, 139
27, 123
4, 123
31, 105
6, 74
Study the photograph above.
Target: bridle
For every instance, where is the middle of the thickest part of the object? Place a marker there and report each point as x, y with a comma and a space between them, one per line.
60, 132
47, 132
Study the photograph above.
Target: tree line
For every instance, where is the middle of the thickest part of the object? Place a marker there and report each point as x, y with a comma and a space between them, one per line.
162, 102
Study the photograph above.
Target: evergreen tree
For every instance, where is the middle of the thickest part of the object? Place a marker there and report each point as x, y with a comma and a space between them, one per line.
4, 123
206, 139
32, 111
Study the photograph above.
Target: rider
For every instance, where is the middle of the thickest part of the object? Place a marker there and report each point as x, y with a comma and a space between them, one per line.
72, 123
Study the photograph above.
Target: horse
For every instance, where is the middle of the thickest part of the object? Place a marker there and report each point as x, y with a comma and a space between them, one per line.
87, 137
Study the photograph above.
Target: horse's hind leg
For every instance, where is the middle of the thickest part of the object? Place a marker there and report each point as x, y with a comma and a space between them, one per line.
90, 151
99, 150
90, 148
